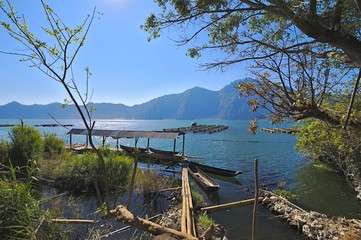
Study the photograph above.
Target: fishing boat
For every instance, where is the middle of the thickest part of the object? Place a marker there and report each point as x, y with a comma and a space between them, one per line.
217, 171
131, 149
164, 152
201, 178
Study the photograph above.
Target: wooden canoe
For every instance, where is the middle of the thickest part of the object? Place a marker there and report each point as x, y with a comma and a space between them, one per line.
164, 152
131, 149
202, 179
217, 171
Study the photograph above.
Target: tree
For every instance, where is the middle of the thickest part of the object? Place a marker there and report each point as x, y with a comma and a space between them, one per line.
326, 31
54, 55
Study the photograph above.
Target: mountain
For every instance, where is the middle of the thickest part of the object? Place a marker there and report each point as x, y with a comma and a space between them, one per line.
195, 103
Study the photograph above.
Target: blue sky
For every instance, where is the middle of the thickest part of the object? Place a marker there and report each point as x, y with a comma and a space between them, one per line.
126, 67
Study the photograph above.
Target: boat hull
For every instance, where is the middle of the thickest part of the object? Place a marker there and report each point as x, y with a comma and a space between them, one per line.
202, 179
217, 171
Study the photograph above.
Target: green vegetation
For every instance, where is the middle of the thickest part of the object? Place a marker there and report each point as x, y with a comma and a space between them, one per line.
53, 146
80, 173
21, 214
26, 144
198, 199
335, 146
204, 220
323, 166
286, 194
4, 151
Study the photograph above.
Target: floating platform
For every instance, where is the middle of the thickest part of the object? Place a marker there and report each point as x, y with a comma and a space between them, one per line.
198, 129
280, 130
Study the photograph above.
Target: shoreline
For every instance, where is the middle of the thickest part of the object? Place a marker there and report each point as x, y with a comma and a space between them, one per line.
313, 225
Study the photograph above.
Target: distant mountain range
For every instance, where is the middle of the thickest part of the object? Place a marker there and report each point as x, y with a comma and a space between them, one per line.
195, 103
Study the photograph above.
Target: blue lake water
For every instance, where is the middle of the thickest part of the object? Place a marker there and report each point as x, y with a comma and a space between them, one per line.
236, 149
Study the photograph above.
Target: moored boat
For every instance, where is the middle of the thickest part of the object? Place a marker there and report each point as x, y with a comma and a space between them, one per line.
164, 152
218, 171
202, 178
131, 149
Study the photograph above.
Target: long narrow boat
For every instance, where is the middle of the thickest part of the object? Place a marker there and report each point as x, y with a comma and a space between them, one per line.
218, 171
131, 149
164, 152
201, 178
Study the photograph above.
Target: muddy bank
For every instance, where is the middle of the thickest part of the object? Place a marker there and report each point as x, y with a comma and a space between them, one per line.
312, 224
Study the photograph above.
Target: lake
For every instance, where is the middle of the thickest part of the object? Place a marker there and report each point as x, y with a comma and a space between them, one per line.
236, 149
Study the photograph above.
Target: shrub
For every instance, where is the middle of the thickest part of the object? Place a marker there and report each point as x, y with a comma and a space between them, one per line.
336, 146
53, 145
4, 152
26, 144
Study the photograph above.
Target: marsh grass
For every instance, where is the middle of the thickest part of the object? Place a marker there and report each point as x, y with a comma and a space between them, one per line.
150, 181
78, 172
21, 213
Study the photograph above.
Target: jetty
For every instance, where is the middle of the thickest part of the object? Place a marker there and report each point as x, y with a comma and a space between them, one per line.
195, 128
280, 130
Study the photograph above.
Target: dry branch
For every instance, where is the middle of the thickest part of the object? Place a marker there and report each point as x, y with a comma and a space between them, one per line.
126, 216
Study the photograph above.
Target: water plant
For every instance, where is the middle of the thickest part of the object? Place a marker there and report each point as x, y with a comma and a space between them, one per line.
204, 220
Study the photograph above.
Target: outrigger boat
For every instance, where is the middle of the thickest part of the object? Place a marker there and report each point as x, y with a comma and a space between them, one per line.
201, 178
217, 171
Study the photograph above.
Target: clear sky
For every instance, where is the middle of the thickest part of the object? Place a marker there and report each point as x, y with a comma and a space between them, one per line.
126, 67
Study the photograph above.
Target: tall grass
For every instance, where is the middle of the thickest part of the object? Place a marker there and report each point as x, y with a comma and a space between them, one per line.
21, 214
78, 173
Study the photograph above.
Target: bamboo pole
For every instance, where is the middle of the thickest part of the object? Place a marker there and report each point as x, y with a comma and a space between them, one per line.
230, 205
254, 219
193, 226
183, 221
187, 195
75, 221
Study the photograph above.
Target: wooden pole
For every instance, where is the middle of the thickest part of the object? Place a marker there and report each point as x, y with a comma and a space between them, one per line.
230, 205
75, 221
184, 217
254, 220
174, 144
184, 138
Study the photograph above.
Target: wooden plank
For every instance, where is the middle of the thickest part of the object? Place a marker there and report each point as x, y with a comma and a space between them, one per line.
230, 205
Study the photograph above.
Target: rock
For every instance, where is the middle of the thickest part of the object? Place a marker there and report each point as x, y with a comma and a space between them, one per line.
314, 225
